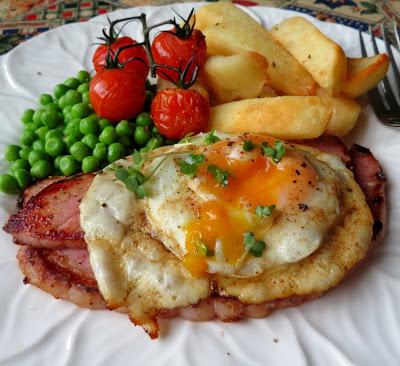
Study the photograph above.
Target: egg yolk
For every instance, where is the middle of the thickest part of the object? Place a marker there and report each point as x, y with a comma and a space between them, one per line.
254, 180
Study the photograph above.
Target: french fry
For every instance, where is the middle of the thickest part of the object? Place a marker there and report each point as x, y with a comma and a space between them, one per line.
287, 117
363, 74
323, 58
344, 117
229, 31
234, 77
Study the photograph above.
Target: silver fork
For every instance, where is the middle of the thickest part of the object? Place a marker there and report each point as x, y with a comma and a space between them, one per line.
384, 104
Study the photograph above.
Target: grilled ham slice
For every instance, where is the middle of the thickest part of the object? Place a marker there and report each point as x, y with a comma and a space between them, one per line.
50, 218
66, 273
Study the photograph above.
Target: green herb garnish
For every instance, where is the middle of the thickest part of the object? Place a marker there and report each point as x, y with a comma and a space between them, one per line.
210, 138
248, 145
191, 163
264, 211
220, 175
186, 139
276, 153
204, 250
253, 246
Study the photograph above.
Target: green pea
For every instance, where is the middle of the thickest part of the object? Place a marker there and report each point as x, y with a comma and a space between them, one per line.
79, 150
89, 125
27, 137
80, 110
90, 164
8, 184
69, 165
115, 152
125, 141
68, 117
62, 102
72, 97
103, 123
56, 162
72, 83
37, 116
67, 110
147, 102
35, 156
100, 151
38, 145
50, 118
143, 119
69, 140
19, 164
108, 135
41, 132
54, 146
90, 140
53, 133
124, 128
24, 152
142, 135
85, 97
83, 76
27, 116
45, 99
155, 142
83, 88
73, 127
41, 169
12, 152
23, 177
54, 106
60, 90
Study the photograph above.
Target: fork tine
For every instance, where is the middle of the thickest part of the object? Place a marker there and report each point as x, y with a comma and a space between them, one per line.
374, 96
390, 53
387, 89
396, 33
362, 44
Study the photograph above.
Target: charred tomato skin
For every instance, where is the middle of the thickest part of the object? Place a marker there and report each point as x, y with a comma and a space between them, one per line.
117, 94
169, 49
178, 112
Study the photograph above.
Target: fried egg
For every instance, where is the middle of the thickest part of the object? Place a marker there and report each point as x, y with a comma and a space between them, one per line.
227, 213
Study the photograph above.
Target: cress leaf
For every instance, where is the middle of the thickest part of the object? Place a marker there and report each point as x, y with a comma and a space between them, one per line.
255, 247
220, 175
264, 211
248, 145
190, 164
210, 138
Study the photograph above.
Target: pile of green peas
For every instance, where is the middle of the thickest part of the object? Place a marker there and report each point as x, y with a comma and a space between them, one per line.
64, 136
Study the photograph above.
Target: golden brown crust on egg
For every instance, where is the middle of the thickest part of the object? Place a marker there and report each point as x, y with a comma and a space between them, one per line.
345, 246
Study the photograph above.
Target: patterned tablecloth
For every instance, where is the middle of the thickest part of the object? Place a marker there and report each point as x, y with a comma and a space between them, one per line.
23, 19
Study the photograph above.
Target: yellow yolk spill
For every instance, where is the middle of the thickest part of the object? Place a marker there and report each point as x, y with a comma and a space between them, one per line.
254, 180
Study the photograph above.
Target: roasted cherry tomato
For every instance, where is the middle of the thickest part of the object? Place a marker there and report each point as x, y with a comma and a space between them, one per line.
176, 50
178, 112
117, 94
140, 67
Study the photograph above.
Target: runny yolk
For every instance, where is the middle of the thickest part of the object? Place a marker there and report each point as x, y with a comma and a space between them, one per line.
253, 180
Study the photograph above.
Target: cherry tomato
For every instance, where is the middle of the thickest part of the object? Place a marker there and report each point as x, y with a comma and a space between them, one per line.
117, 94
142, 68
169, 49
178, 112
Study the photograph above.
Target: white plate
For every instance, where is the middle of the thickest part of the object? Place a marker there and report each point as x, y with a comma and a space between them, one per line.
357, 323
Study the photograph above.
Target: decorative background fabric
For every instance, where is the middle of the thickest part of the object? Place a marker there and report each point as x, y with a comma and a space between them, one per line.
23, 19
